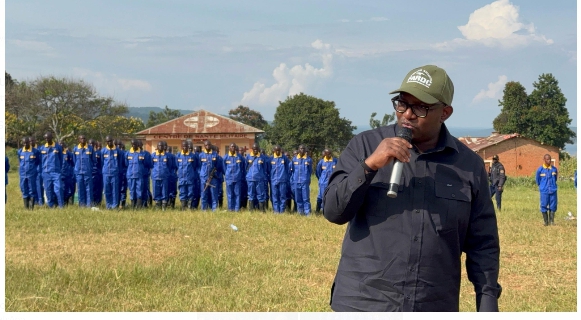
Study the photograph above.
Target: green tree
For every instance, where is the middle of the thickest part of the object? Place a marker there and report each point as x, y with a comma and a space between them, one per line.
515, 107
548, 119
313, 122
387, 118
165, 115
248, 116
61, 105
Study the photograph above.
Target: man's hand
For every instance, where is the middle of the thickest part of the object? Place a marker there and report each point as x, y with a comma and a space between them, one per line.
499, 188
388, 149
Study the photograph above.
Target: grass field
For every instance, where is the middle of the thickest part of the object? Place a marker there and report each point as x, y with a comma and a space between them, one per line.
82, 260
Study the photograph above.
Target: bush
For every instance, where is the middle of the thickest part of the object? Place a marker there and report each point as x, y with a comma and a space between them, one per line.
12, 155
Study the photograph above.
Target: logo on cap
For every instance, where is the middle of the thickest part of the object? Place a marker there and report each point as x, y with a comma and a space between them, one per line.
422, 77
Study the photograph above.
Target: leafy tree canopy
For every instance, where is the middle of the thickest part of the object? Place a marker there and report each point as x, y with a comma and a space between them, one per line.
248, 116
165, 115
64, 106
313, 122
542, 115
387, 119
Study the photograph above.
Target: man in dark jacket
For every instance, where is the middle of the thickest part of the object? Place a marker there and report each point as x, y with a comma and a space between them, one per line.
404, 253
497, 179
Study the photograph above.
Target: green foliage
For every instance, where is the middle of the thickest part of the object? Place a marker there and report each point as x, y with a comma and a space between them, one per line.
567, 168
60, 105
387, 119
542, 115
514, 103
166, 115
304, 119
248, 116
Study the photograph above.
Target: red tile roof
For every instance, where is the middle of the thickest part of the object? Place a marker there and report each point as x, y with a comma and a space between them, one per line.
201, 121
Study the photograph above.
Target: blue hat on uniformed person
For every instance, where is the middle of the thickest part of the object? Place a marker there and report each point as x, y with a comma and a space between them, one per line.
430, 84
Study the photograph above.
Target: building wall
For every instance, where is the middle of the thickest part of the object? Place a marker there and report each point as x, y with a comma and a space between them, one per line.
150, 143
520, 156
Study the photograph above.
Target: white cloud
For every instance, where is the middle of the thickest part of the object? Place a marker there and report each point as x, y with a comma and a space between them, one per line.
494, 90
373, 19
496, 25
291, 81
379, 19
37, 46
110, 84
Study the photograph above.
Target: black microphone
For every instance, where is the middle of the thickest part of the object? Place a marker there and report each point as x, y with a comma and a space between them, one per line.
405, 133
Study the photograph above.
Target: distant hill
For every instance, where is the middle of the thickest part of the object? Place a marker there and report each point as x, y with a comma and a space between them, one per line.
143, 112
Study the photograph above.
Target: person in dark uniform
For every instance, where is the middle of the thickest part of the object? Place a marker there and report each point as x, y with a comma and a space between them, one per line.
122, 175
97, 174
546, 178
497, 179
404, 253
172, 183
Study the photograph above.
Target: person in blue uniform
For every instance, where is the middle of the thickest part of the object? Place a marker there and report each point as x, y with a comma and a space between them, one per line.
195, 203
220, 176
160, 176
209, 176
146, 195
39, 197
301, 169
51, 155
68, 174
6, 168
83, 155
256, 173
323, 172
111, 159
546, 178
234, 166
28, 158
187, 169
279, 179
172, 182
97, 175
122, 175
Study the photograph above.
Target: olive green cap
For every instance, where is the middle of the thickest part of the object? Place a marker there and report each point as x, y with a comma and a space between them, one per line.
430, 84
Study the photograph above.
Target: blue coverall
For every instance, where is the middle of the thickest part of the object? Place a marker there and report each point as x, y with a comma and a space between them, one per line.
279, 181
209, 161
84, 158
546, 178
68, 175
28, 160
52, 162
162, 165
111, 159
323, 172
187, 170
234, 166
256, 174
301, 169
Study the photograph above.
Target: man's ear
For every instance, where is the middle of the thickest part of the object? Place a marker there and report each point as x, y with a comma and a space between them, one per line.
446, 113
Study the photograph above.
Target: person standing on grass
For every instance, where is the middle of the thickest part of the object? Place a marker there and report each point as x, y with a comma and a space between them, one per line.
209, 176
497, 178
323, 172
234, 166
160, 176
172, 182
255, 176
51, 155
301, 169
6, 168
39, 196
111, 158
546, 178
404, 253
83, 155
28, 158
97, 174
279, 179
187, 169
146, 195
122, 175
68, 174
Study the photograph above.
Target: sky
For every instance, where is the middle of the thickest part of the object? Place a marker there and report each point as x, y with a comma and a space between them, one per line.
217, 55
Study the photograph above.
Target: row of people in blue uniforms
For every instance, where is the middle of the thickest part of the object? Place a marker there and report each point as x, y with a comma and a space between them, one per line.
55, 171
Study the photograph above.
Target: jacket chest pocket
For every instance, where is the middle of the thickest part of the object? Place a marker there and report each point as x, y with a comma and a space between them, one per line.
452, 203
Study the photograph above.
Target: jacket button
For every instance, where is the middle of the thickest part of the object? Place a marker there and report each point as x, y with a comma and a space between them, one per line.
359, 180
417, 211
453, 195
416, 238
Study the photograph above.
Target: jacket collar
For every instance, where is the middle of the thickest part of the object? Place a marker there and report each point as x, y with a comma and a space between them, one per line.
49, 145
